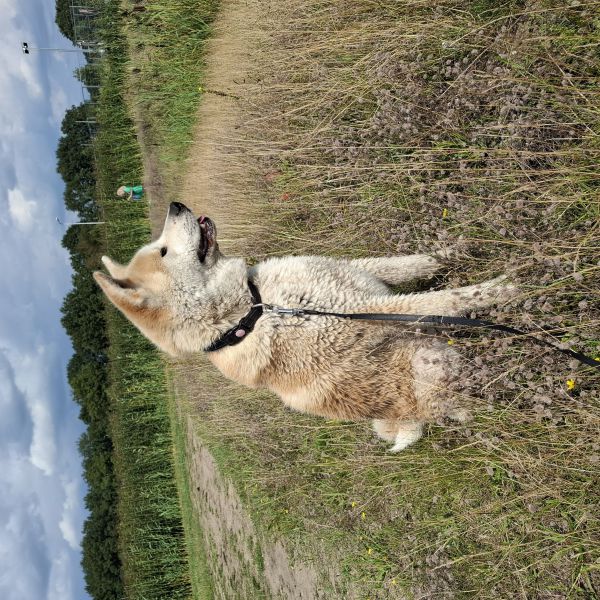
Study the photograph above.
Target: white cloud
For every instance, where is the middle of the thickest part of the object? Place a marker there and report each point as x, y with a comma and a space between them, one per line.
31, 371
21, 210
60, 584
8, 8
68, 524
31, 78
15, 424
22, 535
58, 101
43, 447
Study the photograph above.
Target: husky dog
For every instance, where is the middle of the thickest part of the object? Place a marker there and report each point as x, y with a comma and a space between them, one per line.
185, 296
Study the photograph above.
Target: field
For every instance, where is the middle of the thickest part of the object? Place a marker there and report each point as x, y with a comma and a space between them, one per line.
375, 128
158, 559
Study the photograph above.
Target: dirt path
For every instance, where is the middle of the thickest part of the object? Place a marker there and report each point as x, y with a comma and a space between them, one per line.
244, 562
154, 188
215, 184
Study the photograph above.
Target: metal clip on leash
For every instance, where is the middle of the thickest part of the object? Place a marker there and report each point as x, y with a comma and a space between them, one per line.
280, 310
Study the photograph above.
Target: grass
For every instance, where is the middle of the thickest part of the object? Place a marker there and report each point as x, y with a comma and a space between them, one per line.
164, 83
399, 127
395, 127
158, 560
195, 544
151, 535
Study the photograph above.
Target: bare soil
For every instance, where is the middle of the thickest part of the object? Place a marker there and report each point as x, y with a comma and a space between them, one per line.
213, 184
244, 562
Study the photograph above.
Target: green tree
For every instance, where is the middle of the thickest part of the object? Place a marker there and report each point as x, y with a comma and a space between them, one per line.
89, 75
63, 19
86, 243
88, 380
83, 318
76, 160
100, 557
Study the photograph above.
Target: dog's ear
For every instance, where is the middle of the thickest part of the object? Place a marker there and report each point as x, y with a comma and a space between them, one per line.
138, 307
116, 270
125, 298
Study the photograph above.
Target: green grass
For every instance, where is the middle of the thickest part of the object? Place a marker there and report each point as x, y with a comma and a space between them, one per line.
452, 504
507, 506
158, 560
151, 533
165, 66
116, 150
199, 571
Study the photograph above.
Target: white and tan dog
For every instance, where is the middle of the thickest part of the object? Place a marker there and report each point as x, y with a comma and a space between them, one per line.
183, 294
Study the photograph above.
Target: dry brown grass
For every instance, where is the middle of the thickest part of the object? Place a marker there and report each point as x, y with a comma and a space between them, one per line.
373, 128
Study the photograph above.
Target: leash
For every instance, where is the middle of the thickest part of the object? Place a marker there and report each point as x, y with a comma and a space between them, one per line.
433, 320
237, 333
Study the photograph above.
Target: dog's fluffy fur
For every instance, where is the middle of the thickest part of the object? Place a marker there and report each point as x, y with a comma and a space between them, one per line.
183, 294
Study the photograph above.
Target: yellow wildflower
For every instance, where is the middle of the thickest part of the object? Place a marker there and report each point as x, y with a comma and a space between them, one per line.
450, 342
570, 384
369, 551
444, 213
363, 516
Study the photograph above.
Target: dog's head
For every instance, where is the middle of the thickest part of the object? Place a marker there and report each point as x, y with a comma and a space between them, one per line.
158, 288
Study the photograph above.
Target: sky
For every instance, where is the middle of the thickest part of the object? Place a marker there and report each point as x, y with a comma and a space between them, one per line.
41, 485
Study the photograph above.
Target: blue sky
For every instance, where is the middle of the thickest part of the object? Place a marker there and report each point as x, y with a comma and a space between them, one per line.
41, 486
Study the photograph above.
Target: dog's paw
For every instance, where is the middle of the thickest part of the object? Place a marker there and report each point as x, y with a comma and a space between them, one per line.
495, 291
451, 252
500, 289
428, 265
460, 415
446, 253
408, 433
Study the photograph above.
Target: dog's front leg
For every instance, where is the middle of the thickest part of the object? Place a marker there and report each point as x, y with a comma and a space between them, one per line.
394, 270
402, 433
446, 302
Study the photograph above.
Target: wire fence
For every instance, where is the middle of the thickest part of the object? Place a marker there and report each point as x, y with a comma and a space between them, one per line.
86, 26
85, 35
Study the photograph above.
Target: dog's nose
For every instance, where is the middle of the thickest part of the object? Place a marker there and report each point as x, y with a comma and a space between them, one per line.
176, 207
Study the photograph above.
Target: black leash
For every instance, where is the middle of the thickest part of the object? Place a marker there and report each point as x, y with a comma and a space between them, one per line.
442, 321
237, 333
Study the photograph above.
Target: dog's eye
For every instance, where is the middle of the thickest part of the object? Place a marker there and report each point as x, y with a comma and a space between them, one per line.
163, 251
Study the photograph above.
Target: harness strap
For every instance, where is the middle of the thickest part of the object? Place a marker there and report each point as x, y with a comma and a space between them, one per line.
246, 324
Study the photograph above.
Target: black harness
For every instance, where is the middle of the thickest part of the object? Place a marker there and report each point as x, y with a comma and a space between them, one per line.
237, 333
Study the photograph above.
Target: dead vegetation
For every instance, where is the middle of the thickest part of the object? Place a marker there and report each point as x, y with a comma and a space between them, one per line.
373, 128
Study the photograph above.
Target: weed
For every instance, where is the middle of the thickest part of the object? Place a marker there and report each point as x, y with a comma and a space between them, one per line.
153, 547
389, 128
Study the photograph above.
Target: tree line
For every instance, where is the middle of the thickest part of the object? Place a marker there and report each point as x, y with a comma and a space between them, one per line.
83, 317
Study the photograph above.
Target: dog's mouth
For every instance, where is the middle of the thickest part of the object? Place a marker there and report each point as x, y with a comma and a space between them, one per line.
207, 237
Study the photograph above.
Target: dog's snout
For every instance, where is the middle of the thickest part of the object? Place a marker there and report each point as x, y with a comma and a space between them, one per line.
176, 207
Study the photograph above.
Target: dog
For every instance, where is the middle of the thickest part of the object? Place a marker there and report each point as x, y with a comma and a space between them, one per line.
187, 297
